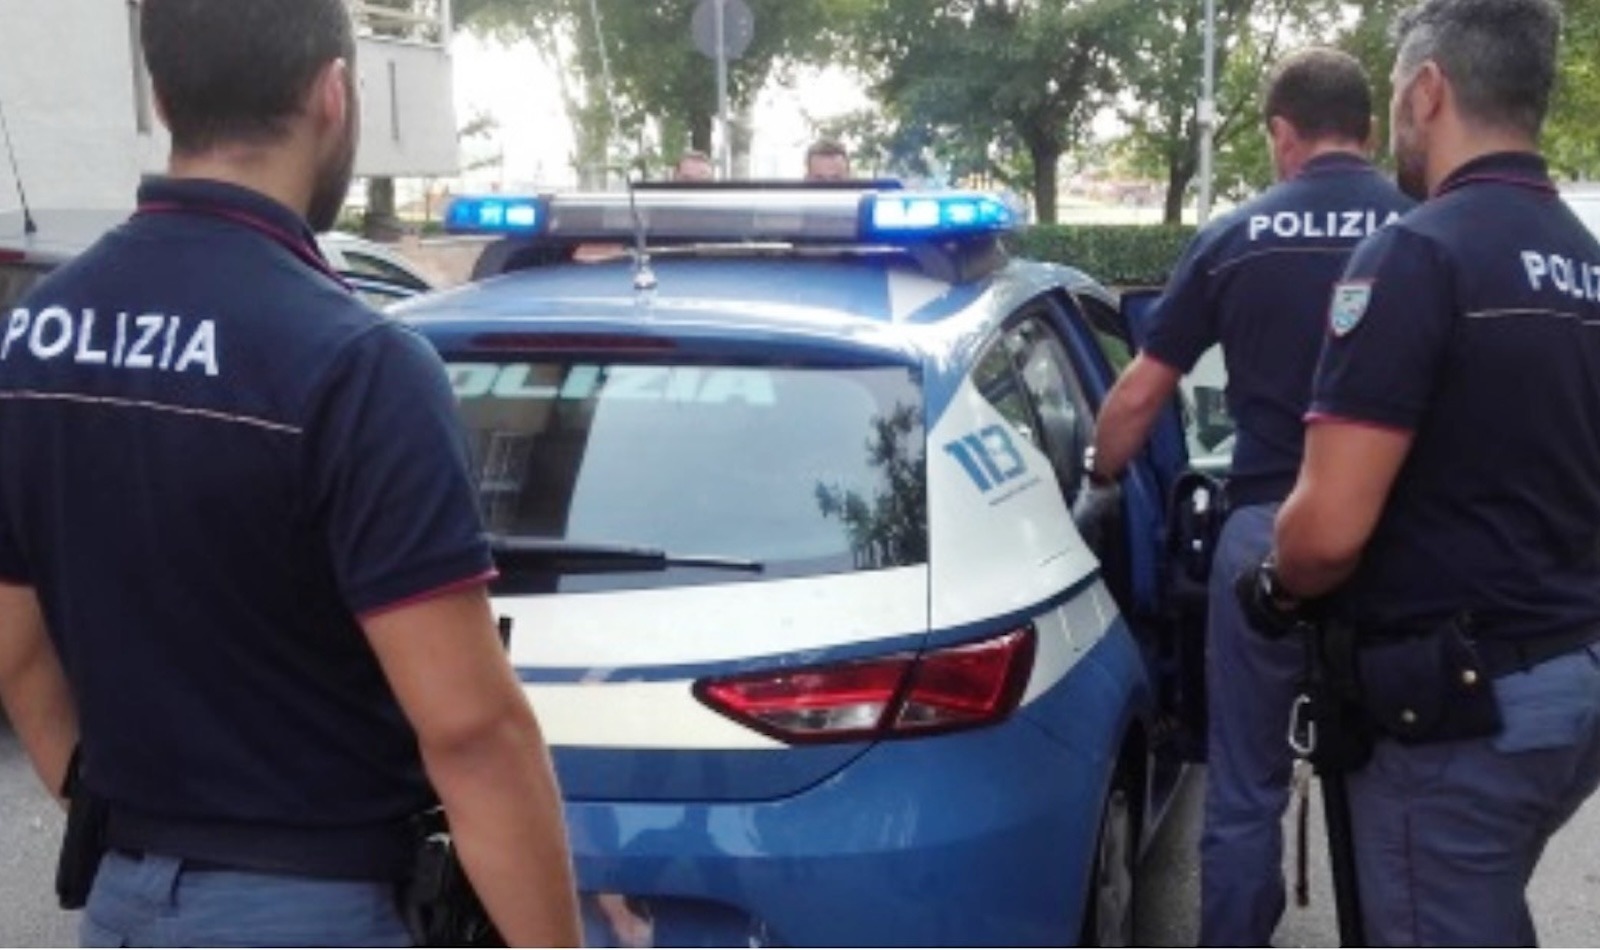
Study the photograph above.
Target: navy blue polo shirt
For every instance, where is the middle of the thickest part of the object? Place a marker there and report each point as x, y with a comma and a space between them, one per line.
1256, 280
216, 459
1474, 325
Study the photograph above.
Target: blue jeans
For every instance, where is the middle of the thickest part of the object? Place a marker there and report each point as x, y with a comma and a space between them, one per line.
1250, 687
1447, 835
157, 901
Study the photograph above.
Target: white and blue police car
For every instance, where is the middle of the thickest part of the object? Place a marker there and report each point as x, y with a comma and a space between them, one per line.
831, 640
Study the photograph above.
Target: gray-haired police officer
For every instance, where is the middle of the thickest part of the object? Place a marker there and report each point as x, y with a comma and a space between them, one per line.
1450, 495
1257, 280
235, 510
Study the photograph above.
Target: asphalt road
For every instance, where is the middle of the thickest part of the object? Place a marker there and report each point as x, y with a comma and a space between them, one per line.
1564, 891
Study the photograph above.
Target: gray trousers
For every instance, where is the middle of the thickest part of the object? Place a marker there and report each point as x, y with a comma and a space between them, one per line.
157, 901
1447, 835
1250, 687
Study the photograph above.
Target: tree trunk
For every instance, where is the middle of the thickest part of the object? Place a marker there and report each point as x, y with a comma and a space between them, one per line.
1177, 184
1180, 172
1046, 155
380, 223
700, 132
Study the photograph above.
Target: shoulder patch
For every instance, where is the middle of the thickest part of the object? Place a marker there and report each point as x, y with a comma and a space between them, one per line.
1350, 299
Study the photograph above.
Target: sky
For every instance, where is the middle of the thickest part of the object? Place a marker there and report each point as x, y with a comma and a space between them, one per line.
511, 83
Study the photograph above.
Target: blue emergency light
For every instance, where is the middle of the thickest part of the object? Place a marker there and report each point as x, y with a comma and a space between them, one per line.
734, 214
495, 214
906, 216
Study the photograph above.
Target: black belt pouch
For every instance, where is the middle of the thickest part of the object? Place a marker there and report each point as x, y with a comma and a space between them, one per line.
1428, 688
83, 842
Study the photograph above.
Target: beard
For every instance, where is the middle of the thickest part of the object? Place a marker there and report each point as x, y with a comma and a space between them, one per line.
1410, 157
332, 184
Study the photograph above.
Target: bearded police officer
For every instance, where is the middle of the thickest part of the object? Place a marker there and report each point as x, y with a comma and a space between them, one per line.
1449, 500
241, 565
1257, 281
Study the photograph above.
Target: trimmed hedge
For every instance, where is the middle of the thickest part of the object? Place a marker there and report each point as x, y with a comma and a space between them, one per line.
1126, 254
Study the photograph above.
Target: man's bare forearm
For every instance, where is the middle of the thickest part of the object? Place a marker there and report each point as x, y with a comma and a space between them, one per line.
505, 814
1129, 413
34, 688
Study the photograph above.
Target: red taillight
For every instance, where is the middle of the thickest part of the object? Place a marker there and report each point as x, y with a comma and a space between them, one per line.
9, 256
954, 688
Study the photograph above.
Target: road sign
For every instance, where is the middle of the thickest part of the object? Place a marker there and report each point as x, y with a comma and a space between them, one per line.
738, 27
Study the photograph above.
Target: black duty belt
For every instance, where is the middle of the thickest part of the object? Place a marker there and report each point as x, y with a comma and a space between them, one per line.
1503, 656
374, 852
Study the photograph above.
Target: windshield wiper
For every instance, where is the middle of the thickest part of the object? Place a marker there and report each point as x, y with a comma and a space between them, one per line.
596, 557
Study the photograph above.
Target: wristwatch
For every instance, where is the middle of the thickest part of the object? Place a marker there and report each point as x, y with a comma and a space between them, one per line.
1272, 585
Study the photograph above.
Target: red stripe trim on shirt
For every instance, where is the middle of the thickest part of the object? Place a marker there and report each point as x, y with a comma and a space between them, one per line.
1161, 361
450, 588
1315, 417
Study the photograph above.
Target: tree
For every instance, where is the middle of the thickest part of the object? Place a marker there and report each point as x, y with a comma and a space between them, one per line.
657, 79
1163, 77
992, 87
1570, 142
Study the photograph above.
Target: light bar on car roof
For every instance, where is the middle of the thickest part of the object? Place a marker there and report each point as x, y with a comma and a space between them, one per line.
936, 215
495, 214
722, 215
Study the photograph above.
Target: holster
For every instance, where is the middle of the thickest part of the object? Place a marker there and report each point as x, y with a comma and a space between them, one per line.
1429, 686
83, 842
440, 907
1344, 731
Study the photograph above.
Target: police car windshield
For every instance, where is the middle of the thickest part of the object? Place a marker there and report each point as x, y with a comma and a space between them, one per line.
804, 471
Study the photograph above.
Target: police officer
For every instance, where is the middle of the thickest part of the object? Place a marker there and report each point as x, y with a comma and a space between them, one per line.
240, 558
1450, 492
1257, 280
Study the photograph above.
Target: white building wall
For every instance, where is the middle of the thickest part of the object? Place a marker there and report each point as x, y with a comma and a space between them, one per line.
408, 120
67, 90
69, 94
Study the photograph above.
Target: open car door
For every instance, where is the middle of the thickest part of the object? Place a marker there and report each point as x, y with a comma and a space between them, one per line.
1187, 454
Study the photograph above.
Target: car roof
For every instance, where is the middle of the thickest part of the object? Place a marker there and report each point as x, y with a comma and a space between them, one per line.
839, 305
59, 234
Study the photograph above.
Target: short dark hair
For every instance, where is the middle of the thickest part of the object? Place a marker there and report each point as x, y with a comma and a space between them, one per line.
238, 70
1322, 92
1499, 55
826, 147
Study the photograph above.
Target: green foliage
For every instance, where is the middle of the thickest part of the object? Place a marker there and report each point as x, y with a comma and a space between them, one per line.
1570, 141
891, 527
992, 88
1163, 79
659, 81
1111, 253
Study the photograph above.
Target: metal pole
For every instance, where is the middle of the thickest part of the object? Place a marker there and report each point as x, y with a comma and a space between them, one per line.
1208, 114
724, 144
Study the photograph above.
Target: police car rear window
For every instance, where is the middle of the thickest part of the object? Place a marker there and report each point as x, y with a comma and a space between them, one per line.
807, 471
16, 280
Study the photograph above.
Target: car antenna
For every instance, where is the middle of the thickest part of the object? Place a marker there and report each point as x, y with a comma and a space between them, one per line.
644, 277
28, 227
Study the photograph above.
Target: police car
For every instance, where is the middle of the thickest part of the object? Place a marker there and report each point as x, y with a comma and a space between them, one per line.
831, 639
33, 244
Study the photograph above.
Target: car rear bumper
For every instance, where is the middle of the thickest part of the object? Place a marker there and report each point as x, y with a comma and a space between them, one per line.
980, 837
